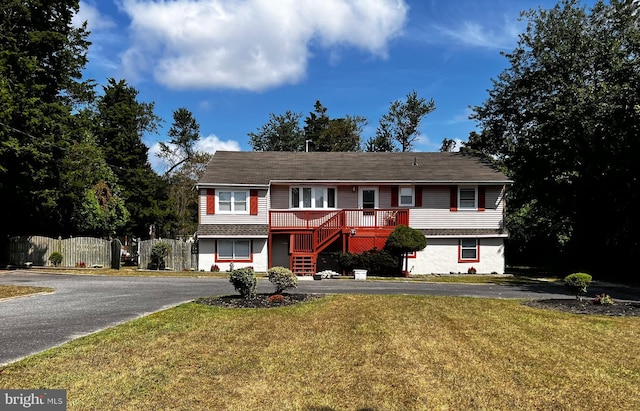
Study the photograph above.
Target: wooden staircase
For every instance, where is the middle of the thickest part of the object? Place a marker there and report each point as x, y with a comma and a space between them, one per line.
306, 248
304, 263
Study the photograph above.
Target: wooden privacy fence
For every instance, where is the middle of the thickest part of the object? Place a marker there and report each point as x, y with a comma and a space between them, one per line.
182, 255
76, 251
90, 252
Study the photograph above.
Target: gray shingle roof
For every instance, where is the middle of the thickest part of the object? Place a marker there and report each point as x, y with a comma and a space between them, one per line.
261, 168
232, 230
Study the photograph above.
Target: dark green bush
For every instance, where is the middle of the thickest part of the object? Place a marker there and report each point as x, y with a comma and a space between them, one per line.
55, 258
376, 262
282, 278
245, 282
159, 251
578, 282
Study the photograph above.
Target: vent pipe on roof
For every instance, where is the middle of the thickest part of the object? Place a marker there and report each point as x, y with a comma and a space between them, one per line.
415, 161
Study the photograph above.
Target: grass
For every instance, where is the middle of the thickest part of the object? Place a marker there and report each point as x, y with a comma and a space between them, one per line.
129, 271
348, 353
479, 279
134, 271
8, 291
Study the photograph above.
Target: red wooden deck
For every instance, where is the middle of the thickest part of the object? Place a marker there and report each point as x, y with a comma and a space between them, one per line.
313, 230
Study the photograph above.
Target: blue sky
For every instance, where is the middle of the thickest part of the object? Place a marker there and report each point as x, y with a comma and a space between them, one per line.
232, 62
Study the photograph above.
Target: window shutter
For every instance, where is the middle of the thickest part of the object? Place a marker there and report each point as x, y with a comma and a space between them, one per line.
453, 198
418, 201
394, 196
481, 198
211, 201
253, 202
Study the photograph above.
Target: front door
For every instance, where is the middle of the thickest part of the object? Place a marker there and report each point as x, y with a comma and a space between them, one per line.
368, 202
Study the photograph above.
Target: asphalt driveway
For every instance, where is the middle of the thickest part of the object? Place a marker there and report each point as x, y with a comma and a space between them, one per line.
82, 305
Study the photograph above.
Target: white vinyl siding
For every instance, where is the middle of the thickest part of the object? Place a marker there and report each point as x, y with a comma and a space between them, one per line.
234, 218
435, 212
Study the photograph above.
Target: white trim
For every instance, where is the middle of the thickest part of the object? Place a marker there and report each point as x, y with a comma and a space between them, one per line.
392, 182
376, 195
247, 201
475, 197
216, 237
467, 236
313, 187
413, 196
248, 186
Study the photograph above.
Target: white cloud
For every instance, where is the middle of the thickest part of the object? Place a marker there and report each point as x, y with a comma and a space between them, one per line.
473, 34
102, 34
251, 44
95, 21
209, 144
212, 143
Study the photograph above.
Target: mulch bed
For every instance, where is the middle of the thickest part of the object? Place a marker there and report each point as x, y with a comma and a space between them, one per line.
586, 306
261, 300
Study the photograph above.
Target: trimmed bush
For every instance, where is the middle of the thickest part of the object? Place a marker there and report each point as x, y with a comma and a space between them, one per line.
376, 262
55, 258
159, 252
282, 278
578, 282
245, 282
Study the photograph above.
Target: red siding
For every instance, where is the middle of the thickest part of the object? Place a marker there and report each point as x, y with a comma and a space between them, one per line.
481, 198
211, 201
453, 198
253, 202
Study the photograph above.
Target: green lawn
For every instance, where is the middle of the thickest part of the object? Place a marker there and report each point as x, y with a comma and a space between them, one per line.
348, 353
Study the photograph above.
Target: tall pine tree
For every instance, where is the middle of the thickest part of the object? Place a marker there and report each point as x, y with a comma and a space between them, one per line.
42, 56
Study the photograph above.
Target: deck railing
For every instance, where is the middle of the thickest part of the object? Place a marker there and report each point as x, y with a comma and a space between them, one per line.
353, 218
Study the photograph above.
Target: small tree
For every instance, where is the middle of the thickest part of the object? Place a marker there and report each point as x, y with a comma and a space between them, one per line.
245, 282
578, 283
404, 240
159, 252
282, 278
55, 258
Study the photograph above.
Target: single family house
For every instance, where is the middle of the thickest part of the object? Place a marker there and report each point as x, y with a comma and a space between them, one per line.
295, 209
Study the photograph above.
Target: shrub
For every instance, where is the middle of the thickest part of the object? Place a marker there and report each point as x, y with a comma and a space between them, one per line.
578, 282
376, 262
215, 268
55, 258
159, 252
282, 278
472, 270
245, 282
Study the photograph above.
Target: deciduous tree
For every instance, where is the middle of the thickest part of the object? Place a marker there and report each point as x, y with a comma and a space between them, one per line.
399, 128
563, 121
281, 133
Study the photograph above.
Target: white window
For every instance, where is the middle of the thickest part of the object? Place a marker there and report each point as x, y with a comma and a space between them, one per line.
313, 197
406, 196
234, 249
467, 198
233, 202
469, 250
